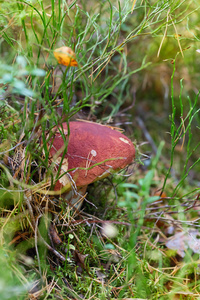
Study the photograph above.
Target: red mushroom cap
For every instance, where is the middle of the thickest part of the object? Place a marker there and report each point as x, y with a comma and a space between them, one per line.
90, 144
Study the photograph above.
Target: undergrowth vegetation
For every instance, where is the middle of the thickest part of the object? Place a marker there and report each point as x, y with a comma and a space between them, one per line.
137, 233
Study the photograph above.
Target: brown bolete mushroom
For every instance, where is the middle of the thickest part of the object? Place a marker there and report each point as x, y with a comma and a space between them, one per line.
93, 152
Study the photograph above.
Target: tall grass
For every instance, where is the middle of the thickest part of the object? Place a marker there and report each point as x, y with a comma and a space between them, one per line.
183, 133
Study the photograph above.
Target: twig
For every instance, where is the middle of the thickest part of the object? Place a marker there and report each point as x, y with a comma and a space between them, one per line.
146, 134
10, 149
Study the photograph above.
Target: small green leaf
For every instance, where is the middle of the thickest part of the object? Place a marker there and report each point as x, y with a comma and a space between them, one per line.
152, 199
38, 72
109, 246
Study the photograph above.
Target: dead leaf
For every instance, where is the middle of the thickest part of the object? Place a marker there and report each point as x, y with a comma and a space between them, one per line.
80, 258
54, 235
64, 180
181, 241
65, 56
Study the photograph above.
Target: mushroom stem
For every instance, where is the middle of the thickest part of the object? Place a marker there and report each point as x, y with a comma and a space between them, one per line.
75, 198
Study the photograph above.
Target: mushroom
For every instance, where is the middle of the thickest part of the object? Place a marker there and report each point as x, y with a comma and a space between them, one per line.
94, 151
66, 58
